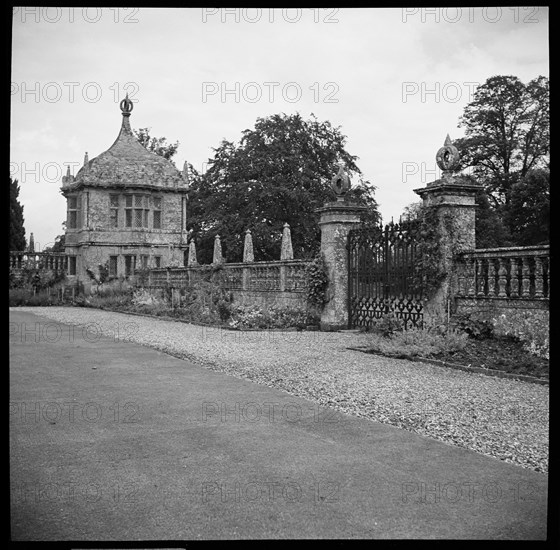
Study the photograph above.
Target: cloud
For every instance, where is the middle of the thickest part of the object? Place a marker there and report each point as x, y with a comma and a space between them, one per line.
364, 59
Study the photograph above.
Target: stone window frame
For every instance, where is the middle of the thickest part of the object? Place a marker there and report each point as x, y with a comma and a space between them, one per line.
141, 209
113, 266
128, 198
157, 261
157, 202
136, 210
129, 264
72, 265
114, 203
73, 212
144, 261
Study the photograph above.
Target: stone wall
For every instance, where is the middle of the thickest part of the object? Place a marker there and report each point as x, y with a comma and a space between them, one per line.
263, 284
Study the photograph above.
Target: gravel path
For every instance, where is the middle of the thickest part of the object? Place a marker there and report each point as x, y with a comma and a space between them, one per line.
502, 418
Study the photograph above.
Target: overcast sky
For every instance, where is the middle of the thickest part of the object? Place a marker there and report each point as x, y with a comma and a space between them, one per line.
395, 80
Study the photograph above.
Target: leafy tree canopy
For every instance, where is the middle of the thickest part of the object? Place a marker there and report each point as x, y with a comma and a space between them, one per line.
279, 172
507, 133
528, 212
159, 146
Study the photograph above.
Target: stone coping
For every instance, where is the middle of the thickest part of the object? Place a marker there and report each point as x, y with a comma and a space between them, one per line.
266, 263
343, 206
508, 251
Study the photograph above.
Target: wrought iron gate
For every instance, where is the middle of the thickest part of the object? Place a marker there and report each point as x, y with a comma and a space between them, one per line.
382, 275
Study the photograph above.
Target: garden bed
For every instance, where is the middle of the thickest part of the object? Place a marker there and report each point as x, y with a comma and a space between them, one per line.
494, 356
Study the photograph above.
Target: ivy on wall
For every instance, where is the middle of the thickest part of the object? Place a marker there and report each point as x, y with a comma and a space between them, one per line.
429, 265
317, 280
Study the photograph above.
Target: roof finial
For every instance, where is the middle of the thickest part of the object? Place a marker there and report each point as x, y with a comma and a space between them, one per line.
126, 106
68, 179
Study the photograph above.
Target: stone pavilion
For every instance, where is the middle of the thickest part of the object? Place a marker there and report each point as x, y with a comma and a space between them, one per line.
126, 209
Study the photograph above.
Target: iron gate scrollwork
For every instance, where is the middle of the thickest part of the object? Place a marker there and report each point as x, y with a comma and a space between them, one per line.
383, 275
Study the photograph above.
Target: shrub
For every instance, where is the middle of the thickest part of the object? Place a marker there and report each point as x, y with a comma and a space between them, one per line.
109, 298
142, 297
247, 317
423, 342
271, 317
530, 328
42, 299
224, 309
24, 297
18, 297
205, 299
387, 325
475, 326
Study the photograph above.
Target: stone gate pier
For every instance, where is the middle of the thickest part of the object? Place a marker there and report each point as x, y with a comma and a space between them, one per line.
337, 218
452, 198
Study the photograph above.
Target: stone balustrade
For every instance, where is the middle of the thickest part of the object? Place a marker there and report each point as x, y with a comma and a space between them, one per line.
516, 273
41, 261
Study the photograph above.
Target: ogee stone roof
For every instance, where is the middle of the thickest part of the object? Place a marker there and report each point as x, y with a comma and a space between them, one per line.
127, 163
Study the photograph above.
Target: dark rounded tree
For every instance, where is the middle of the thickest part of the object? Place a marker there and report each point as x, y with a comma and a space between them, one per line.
17, 230
279, 172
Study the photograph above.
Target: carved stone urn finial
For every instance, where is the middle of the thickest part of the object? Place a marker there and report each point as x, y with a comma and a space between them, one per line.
126, 106
447, 158
340, 183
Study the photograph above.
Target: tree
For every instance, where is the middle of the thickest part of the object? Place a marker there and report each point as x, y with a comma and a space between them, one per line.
279, 172
507, 142
159, 146
507, 133
528, 211
491, 232
17, 230
413, 211
59, 243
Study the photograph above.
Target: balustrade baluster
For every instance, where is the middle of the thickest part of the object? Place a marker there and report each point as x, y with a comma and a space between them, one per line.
492, 277
502, 278
514, 278
525, 278
463, 278
471, 266
480, 277
538, 278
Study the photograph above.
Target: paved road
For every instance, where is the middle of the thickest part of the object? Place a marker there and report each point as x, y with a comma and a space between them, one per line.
114, 441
